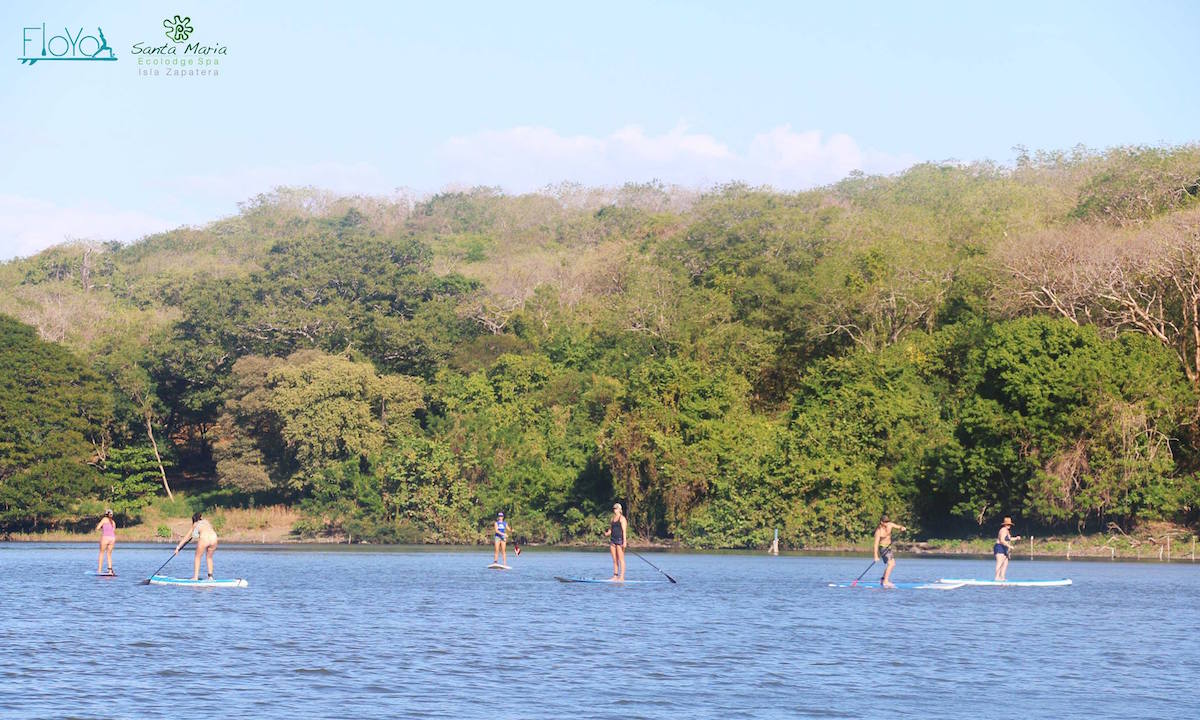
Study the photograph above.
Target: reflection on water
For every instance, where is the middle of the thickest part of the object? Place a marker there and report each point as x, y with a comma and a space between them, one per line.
413, 633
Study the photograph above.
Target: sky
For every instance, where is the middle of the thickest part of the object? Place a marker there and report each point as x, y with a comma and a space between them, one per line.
364, 97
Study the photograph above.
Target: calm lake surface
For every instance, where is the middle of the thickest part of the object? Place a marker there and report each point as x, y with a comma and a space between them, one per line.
400, 632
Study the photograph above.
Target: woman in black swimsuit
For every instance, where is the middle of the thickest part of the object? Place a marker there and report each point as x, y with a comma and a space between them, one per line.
616, 532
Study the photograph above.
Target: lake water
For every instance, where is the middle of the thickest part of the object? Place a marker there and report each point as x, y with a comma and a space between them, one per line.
401, 632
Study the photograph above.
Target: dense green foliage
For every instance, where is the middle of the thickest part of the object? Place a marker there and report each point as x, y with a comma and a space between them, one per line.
54, 418
725, 364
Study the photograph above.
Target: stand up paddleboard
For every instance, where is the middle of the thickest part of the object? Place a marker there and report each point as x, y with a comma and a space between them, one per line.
1009, 583
876, 585
605, 581
498, 566
93, 573
188, 582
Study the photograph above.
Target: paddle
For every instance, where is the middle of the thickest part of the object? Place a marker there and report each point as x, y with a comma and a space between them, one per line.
864, 572
654, 566
160, 567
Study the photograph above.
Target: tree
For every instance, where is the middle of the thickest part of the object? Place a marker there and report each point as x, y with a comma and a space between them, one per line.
55, 419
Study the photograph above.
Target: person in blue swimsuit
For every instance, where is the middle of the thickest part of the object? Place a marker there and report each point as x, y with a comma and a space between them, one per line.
1003, 548
500, 554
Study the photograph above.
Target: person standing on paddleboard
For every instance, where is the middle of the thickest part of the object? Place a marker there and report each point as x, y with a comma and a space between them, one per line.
617, 531
883, 548
108, 538
500, 554
206, 543
1003, 548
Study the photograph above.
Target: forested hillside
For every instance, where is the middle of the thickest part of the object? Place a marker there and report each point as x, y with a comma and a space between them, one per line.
950, 345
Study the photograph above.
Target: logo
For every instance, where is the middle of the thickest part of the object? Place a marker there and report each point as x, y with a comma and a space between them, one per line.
186, 54
67, 46
178, 29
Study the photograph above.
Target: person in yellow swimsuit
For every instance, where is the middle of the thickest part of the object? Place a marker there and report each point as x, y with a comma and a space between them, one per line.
206, 543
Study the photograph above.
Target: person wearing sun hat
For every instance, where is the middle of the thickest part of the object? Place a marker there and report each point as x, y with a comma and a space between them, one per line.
500, 537
1003, 548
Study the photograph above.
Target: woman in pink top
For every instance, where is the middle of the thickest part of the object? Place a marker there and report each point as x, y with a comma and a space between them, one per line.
108, 538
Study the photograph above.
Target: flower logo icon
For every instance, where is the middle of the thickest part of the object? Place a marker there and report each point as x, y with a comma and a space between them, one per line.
178, 28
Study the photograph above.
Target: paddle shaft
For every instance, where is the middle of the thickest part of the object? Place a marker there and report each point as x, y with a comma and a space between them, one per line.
864, 572
653, 566
160, 567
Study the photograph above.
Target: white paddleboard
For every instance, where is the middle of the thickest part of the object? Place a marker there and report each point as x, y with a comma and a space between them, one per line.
498, 566
1009, 583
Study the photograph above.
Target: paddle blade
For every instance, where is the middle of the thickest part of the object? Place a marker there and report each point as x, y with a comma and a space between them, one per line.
517, 549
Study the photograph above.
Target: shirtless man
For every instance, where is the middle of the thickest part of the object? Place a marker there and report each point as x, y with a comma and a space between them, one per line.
883, 548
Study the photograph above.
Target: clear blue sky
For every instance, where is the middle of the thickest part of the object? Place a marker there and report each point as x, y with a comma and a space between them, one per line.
361, 96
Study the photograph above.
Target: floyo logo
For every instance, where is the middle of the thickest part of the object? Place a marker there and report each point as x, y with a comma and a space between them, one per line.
38, 45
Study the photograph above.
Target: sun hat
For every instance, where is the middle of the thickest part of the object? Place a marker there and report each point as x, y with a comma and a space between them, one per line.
1007, 521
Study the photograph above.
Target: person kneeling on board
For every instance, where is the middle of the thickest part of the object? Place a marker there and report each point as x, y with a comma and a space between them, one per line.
883, 548
1003, 548
206, 543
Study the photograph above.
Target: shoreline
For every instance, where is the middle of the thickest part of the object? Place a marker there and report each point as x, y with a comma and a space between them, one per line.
1052, 548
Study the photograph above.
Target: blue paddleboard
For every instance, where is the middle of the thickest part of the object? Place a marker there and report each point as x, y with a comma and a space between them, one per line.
605, 581
876, 585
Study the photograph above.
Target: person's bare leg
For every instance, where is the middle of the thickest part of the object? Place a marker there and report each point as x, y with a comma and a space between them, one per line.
108, 555
612, 550
211, 548
495, 551
999, 567
1002, 568
503, 552
196, 562
887, 573
621, 560
100, 559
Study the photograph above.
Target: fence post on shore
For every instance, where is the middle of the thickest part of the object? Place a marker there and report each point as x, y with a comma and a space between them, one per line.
1030, 547
1168, 548
1112, 553
1193, 548
775, 544
1068, 549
